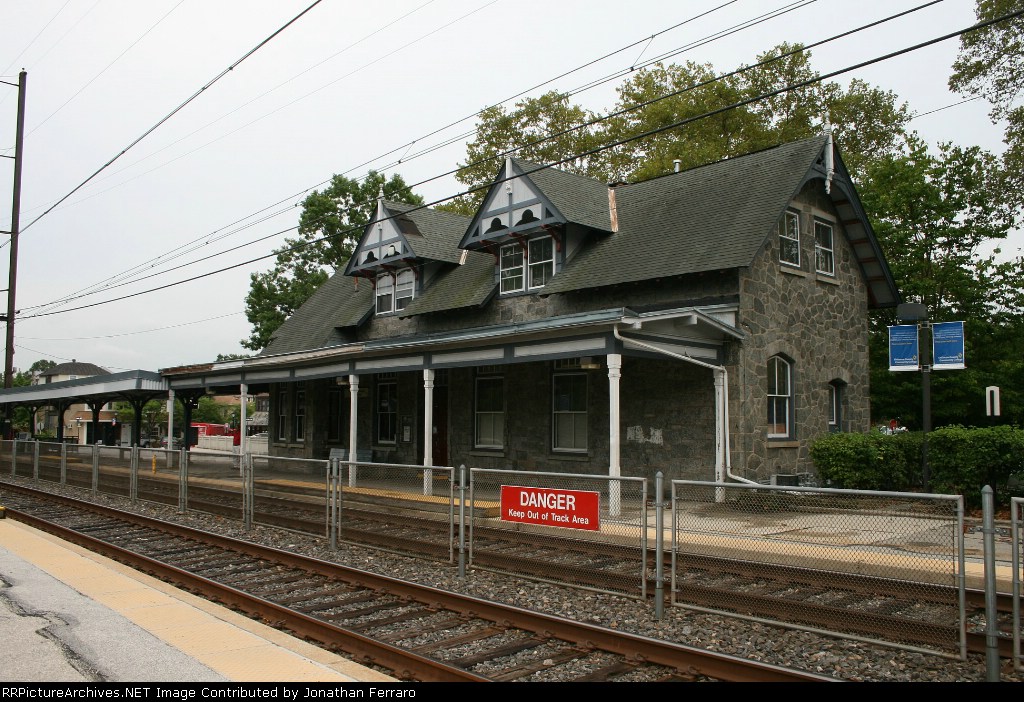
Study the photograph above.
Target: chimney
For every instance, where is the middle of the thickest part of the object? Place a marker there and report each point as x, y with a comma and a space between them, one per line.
613, 207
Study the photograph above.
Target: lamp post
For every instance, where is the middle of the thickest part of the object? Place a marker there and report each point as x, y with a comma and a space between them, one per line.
917, 312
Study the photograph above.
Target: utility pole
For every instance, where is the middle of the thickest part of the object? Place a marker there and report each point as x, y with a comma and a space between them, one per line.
15, 226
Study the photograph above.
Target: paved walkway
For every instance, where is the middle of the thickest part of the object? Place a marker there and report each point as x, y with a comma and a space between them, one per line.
70, 615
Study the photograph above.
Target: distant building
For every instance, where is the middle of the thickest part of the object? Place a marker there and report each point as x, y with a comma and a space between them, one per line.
78, 416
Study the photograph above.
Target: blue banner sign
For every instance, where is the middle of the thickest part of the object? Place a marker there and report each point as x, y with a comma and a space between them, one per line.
948, 345
903, 355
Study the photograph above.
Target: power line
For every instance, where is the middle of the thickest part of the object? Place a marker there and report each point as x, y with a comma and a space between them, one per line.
175, 111
605, 147
717, 35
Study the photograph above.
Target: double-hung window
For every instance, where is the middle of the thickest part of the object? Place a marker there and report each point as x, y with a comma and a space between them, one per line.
490, 412
780, 398
282, 414
385, 293
569, 412
527, 267
404, 289
387, 408
512, 259
789, 239
299, 415
824, 253
542, 261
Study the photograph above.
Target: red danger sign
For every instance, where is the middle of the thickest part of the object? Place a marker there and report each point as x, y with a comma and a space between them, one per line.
571, 509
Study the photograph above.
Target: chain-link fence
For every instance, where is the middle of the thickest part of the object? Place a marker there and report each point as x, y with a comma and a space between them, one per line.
23, 458
587, 531
1017, 545
396, 507
158, 476
51, 461
114, 476
289, 493
213, 484
876, 566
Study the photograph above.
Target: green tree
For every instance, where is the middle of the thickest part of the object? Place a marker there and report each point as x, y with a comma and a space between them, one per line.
331, 222
936, 216
991, 65
527, 131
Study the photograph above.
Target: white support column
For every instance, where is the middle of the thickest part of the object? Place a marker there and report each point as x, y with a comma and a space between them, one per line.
614, 435
170, 427
428, 430
353, 423
243, 440
720, 426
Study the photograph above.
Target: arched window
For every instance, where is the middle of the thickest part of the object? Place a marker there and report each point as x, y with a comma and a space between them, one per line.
780, 398
836, 398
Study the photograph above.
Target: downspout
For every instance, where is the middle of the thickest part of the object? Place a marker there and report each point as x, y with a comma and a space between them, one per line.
723, 461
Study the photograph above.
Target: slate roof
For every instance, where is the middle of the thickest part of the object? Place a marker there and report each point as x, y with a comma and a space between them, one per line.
469, 285
435, 234
79, 368
707, 218
337, 304
581, 199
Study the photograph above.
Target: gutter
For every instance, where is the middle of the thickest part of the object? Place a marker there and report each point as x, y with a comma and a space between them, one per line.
723, 461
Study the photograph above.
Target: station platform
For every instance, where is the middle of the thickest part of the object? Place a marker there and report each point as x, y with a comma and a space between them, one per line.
70, 615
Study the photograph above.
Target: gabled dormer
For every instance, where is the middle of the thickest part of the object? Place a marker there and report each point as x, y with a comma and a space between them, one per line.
401, 249
527, 219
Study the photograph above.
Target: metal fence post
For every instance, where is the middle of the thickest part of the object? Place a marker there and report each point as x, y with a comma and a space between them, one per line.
659, 546
182, 481
95, 469
14, 457
248, 487
991, 625
35, 461
63, 464
332, 498
462, 521
133, 483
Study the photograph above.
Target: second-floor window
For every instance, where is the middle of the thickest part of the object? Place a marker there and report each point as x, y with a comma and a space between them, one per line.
527, 267
824, 254
789, 239
395, 292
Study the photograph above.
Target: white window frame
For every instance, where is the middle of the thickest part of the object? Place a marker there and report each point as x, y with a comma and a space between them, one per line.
824, 256
492, 418
512, 267
519, 265
836, 390
789, 237
558, 416
780, 398
405, 289
384, 292
541, 262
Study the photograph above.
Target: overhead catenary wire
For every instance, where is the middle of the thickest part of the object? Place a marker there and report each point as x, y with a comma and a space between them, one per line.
176, 110
106, 284
604, 147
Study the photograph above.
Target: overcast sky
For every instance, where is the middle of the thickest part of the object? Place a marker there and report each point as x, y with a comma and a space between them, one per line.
346, 87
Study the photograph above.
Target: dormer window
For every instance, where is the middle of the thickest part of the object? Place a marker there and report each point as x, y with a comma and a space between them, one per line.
385, 294
395, 291
404, 289
527, 266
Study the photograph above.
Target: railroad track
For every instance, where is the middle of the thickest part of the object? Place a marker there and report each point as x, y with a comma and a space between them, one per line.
416, 633
878, 609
